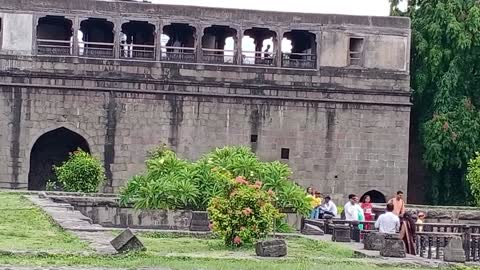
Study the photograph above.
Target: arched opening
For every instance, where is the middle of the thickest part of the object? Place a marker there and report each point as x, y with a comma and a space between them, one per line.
97, 38
375, 196
52, 148
258, 47
214, 44
54, 36
180, 46
302, 52
138, 40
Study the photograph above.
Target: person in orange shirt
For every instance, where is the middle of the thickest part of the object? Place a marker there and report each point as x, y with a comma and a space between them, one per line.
398, 204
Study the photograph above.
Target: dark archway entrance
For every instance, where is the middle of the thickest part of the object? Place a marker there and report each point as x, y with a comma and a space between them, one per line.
375, 196
52, 148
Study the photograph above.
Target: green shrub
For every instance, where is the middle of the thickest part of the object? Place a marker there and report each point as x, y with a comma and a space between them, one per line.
197, 183
473, 177
245, 214
167, 184
80, 173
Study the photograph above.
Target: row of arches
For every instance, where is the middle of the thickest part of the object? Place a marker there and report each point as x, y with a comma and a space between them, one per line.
137, 39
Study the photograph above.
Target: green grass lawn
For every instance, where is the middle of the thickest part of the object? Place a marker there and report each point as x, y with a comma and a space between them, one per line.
23, 227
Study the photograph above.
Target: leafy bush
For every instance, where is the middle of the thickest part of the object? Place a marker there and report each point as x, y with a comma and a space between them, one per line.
167, 184
80, 173
473, 177
197, 183
245, 214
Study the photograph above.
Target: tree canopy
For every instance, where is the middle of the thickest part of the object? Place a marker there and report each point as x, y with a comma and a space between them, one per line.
445, 80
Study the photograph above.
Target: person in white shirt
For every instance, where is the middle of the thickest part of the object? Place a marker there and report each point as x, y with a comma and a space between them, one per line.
388, 222
353, 211
328, 207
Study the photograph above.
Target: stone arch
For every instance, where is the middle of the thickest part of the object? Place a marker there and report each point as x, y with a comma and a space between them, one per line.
375, 196
52, 148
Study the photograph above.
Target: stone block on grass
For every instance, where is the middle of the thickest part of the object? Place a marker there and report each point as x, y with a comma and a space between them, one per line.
271, 248
127, 241
310, 229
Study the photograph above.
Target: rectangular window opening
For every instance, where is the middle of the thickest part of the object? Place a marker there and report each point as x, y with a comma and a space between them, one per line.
253, 138
285, 154
355, 51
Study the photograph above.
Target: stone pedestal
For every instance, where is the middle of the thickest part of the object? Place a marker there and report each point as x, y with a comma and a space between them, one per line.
392, 246
454, 251
373, 241
200, 222
271, 248
309, 229
341, 233
319, 223
127, 241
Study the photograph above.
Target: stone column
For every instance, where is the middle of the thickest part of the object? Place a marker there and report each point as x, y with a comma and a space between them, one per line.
34, 33
75, 29
198, 43
277, 45
158, 41
238, 46
117, 30
318, 40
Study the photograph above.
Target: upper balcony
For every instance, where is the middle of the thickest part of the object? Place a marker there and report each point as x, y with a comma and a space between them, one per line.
131, 31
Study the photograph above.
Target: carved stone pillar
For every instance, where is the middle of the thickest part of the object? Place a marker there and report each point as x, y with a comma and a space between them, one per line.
238, 46
117, 31
158, 41
75, 41
277, 45
198, 35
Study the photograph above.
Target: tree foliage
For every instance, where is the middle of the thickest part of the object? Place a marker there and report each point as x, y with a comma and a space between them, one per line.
445, 78
473, 177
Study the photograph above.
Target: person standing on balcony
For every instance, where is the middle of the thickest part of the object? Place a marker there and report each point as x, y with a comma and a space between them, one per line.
398, 204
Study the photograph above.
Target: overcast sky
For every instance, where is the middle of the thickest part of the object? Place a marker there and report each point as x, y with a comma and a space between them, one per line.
353, 7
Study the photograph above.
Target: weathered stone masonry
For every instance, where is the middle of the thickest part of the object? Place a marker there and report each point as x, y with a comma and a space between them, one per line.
346, 128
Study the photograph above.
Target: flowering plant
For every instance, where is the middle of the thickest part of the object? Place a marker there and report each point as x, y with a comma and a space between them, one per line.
245, 214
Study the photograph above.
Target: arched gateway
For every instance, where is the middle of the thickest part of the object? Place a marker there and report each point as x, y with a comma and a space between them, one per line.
52, 148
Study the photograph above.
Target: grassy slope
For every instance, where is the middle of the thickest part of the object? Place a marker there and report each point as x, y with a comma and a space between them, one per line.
24, 227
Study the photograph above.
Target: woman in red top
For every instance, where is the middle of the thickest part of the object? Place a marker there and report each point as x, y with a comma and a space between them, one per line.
367, 211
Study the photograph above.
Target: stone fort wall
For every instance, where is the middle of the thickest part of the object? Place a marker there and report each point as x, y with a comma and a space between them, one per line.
346, 129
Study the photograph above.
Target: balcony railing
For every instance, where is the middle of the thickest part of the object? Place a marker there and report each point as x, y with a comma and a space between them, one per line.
134, 51
96, 49
218, 56
178, 54
54, 47
299, 60
258, 58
